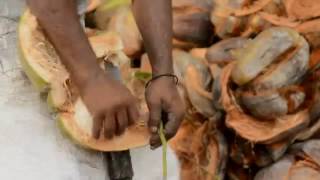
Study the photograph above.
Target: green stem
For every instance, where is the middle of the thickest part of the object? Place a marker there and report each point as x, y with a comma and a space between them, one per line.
164, 152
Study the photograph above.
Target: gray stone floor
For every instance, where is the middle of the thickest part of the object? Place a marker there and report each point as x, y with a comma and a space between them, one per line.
31, 146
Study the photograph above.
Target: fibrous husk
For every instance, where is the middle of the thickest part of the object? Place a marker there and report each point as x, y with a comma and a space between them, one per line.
311, 30
301, 163
202, 151
196, 79
191, 23
118, 17
253, 129
242, 17
269, 69
302, 9
227, 25
199, 52
247, 154
43, 67
217, 56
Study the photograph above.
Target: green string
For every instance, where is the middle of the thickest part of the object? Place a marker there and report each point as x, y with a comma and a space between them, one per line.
164, 152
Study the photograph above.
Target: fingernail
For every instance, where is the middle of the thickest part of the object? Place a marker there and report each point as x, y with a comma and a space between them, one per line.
154, 129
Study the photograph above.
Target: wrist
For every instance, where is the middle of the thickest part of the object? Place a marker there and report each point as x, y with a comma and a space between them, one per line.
88, 76
161, 71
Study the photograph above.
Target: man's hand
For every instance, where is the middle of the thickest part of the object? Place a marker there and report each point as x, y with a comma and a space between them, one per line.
162, 96
111, 104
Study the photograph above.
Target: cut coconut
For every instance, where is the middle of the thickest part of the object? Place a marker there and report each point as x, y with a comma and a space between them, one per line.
48, 75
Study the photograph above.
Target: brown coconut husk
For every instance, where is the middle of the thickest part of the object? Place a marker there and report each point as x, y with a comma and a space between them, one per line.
202, 151
191, 24
253, 129
302, 9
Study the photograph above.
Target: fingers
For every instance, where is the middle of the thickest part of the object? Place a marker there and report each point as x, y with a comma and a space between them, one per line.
133, 114
109, 126
155, 141
97, 126
122, 121
173, 124
155, 117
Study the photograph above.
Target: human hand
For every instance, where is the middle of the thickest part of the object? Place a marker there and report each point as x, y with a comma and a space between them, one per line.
111, 104
162, 97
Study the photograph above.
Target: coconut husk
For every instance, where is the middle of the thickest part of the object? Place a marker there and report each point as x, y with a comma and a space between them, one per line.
253, 129
242, 17
191, 22
270, 46
202, 151
199, 52
302, 10
196, 78
238, 172
278, 149
301, 163
246, 154
227, 25
117, 16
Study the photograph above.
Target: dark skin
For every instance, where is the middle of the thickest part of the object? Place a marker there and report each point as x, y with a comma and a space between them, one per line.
117, 110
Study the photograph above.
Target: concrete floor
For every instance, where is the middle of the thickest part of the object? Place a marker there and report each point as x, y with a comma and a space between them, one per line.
31, 146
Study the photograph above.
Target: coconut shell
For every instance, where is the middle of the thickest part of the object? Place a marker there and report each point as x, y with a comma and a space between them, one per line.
196, 79
302, 162
277, 171
191, 22
225, 24
256, 104
252, 129
304, 171
289, 71
311, 148
278, 149
221, 52
264, 50
279, 102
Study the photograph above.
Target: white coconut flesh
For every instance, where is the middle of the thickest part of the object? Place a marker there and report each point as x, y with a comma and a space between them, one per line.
43, 67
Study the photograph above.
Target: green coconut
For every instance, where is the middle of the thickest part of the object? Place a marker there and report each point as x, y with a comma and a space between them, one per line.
47, 74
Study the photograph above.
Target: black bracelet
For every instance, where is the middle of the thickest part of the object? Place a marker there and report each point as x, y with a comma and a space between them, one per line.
162, 75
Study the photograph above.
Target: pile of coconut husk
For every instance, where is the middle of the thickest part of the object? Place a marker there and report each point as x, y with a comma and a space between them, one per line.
248, 72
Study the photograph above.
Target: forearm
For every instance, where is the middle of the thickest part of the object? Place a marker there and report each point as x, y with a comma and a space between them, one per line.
61, 24
154, 19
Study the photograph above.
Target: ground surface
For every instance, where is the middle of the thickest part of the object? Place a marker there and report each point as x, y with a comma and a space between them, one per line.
32, 147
